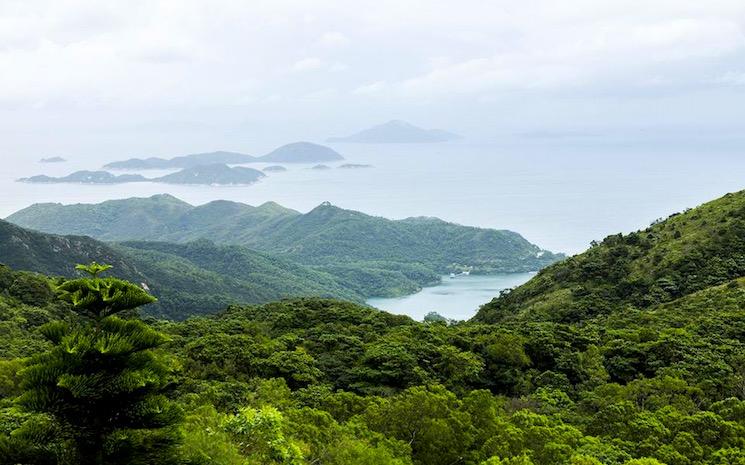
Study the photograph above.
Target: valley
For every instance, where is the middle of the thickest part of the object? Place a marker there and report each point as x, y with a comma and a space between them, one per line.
571, 367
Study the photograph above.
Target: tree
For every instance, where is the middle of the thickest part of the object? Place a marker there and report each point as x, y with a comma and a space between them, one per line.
103, 381
260, 436
430, 419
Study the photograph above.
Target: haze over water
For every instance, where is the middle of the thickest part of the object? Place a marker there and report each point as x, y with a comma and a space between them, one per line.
560, 198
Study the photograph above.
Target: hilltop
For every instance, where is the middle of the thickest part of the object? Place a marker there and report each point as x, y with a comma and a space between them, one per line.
52, 160
673, 258
325, 236
629, 354
185, 161
302, 152
51, 254
397, 131
86, 177
296, 152
216, 174
193, 278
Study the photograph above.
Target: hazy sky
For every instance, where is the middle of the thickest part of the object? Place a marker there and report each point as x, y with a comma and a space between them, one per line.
167, 76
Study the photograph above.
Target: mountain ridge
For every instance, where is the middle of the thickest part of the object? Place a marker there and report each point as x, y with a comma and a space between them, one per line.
190, 278
294, 152
325, 235
397, 132
204, 174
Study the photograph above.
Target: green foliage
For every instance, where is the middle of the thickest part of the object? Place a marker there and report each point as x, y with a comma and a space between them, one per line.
101, 384
632, 354
260, 436
674, 258
371, 256
98, 298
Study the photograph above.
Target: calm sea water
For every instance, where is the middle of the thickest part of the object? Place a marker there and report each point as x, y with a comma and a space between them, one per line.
560, 198
456, 298
557, 195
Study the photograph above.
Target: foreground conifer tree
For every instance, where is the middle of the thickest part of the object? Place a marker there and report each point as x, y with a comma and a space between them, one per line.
102, 382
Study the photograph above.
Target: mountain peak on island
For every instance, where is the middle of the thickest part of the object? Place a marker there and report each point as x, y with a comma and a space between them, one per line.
397, 131
301, 152
185, 161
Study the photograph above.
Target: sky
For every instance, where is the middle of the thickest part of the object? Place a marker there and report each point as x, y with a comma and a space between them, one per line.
165, 77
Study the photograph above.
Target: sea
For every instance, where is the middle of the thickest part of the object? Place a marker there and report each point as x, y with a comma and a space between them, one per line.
558, 195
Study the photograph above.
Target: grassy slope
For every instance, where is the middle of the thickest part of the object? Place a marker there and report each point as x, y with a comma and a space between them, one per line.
683, 254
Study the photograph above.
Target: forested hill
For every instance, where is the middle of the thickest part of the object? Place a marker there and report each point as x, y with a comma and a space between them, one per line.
188, 279
632, 353
23, 249
315, 381
673, 258
327, 235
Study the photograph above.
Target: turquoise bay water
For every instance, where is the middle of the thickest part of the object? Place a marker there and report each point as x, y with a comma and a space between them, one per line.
454, 298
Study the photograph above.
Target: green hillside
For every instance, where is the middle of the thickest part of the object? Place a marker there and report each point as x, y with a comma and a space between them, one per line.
132, 219
683, 254
312, 381
194, 278
325, 236
632, 353
23, 249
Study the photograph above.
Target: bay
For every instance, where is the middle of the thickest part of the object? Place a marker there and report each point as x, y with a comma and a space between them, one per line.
454, 298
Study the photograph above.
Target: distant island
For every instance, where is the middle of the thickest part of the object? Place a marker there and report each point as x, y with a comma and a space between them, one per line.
301, 152
275, 169
52, 160
352, 166
186, 161
397, 132
86, 177
321, 167
296, 152
217, 174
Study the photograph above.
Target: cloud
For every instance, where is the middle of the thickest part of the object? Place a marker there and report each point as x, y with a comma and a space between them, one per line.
148, 56
307, 64
338, 67
731, 78
371, 88
596, 54
334, 39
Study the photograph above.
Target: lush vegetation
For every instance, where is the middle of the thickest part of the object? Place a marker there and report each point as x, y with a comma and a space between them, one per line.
685, 253
97, 395
634, 381
320, 381
188, 279
325, 236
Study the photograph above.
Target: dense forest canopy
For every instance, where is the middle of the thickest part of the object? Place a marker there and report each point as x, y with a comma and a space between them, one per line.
582, 365
263, 253
325, 236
